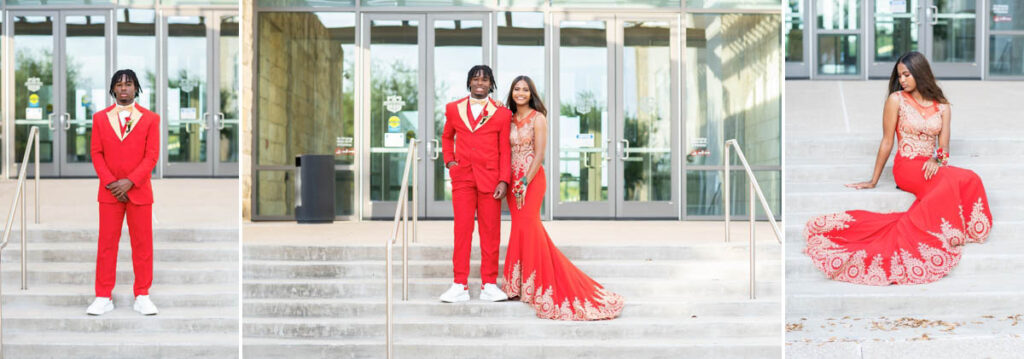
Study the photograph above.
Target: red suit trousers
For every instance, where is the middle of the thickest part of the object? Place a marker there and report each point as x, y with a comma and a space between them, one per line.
140, 228
467, 201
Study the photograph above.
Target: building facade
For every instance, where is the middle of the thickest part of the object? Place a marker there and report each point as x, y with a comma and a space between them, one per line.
861, 39
58, 57
641, 98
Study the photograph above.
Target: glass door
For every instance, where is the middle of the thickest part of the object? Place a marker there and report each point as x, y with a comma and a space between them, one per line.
614, 129
201, 89
896, 31
60, 80
952, 31
393, 73
455, 43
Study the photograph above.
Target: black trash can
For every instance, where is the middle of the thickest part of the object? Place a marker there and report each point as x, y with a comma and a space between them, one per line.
315, 188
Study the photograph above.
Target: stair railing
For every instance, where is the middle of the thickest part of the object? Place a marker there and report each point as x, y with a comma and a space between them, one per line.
755, 189
19, 193
401, 227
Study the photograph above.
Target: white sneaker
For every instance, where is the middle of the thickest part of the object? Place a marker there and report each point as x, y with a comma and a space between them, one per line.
491, 293
457, 293
144, 305
100, 306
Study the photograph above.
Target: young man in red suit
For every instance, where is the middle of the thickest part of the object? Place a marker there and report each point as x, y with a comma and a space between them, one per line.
476, 150
125, 148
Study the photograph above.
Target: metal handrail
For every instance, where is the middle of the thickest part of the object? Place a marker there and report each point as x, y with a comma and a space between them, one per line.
754, 189
19, 193
402, 218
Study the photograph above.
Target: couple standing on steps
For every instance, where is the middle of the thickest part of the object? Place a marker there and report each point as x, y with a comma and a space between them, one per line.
486, 147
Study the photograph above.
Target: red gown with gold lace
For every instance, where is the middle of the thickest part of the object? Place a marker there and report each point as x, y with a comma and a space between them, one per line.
535, 270
920, 245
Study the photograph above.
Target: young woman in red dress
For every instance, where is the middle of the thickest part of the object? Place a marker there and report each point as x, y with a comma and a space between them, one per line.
535, 270
922, 244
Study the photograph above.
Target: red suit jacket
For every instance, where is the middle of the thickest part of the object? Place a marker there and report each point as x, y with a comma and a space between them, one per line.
484, 149
130, 156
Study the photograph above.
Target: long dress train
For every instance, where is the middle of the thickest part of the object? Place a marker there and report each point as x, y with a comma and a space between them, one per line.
920, 245
535, 270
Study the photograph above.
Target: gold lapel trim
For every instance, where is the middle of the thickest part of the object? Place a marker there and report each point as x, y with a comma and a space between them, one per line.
489, 109
463, 107
115, 124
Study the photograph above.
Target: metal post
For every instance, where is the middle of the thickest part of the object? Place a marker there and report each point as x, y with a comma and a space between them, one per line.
1, 321
725, 190
24, 228
415, 196
387, 263
405, 248
36, 203
753, 211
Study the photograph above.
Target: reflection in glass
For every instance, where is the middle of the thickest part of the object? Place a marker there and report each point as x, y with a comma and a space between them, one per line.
619, 3
838, 55
733, 87
1007, 15
793, 42
520, 50
895, 29
394, 102
275, 193
344, 193
34, 95
1007, 55
306, 86
647, 111
187, 110
838, 14
583, 116
953, 31
229, 61
704, 192
136, 44
86, 90
457, 48
734, 4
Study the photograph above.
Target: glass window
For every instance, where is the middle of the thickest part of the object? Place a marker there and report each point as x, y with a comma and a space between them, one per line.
838, 14
507, 3
623, 3
58, 3
1007, 55
275, 193
1007, 15
733, 87
136, 30
838, 54
704, 192
895, 29
305, 86
304, 3
734, 4
793, 42
520, 51
198, 2
428, 2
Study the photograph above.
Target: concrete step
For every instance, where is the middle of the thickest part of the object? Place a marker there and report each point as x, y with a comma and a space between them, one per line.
44, 345
86, 251
448, 347
511, 328
992, 170
84, 273
1000, 145
767, 268
767, 247
991, 294
79, 296
959, 347
432, 287
45, 233
801, 268
124, 320
374, 307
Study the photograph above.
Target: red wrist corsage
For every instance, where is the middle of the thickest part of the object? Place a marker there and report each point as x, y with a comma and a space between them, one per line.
942, 157
519, 190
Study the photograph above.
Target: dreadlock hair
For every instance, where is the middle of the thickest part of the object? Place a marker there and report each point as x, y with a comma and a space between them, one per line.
131, 77
482, 70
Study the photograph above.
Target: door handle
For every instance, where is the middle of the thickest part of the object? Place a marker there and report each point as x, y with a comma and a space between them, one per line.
933, 11
205, 123
66, 118
625, 150
218, 119
607, 155
50, 122
432, 149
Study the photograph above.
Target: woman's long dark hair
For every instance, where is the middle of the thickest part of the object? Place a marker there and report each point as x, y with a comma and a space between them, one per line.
535, 103
918, 66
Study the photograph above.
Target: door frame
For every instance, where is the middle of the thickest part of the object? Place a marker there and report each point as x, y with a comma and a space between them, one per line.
963, 70
212, 167
882, 70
